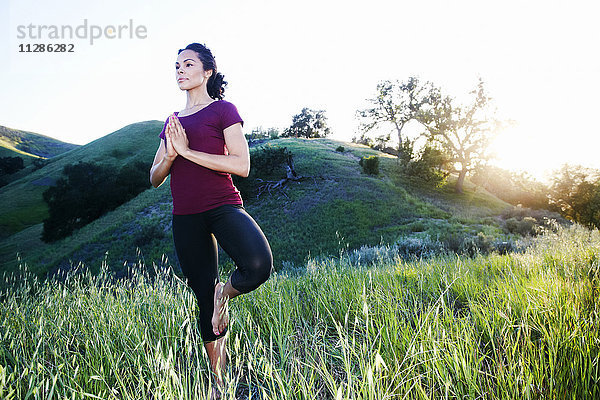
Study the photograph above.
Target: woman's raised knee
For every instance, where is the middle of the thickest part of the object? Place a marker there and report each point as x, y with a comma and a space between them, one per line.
253, 273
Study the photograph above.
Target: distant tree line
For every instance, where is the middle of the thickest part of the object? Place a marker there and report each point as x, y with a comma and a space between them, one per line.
259, 134
86, 191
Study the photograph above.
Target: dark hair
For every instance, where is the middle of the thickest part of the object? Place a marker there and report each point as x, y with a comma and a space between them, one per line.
215, 85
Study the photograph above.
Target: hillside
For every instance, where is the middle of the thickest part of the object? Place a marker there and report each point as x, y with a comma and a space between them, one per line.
339, 208
21, 202
28, 146
31, 144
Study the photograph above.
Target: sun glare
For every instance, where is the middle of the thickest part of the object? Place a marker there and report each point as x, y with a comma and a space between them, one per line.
516, 150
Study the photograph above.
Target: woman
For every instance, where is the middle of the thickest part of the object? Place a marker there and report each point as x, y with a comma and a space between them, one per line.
200, 147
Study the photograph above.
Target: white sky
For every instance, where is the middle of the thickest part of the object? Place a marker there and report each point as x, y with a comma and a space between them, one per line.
539, 60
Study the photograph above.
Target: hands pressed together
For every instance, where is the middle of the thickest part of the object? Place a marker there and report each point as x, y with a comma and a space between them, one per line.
177, 141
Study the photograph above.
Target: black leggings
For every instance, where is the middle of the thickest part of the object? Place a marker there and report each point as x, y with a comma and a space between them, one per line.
239, 236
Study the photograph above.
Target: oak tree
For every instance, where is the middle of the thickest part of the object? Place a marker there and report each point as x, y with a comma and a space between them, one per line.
463, 131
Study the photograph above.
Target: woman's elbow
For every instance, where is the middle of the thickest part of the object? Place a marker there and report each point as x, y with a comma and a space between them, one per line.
244, 173
155, 181
244, 170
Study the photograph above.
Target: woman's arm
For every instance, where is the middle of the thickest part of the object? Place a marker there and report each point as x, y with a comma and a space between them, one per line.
236, 162
161, 167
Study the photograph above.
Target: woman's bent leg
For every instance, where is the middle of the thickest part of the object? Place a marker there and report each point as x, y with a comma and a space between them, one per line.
243, 240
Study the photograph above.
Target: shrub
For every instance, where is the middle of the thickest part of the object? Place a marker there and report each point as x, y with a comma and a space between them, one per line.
266, 163
523, 227
525, 221
118, 153
407, 248
39, 163
10, 165
341, 149
429, 166
478, 244
509, 246
86, 192
147, 234
406, 153
370, 165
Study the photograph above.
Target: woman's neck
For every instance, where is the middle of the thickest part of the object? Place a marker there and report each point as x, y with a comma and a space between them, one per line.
198, 96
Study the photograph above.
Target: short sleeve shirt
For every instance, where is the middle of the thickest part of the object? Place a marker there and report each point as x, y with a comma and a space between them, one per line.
195, 188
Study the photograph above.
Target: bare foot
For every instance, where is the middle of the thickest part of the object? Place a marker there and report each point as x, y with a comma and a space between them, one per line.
220, 318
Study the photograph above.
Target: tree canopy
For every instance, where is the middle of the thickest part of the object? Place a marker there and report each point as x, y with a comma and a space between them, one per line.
464, 131
575, 193
309, 123
395, 104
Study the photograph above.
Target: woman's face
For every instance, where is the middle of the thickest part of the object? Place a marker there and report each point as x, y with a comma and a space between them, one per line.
189, 71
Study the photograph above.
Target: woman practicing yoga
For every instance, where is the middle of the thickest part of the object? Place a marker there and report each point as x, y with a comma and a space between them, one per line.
200, 147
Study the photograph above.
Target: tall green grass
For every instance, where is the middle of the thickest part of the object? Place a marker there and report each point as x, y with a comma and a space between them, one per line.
514, 326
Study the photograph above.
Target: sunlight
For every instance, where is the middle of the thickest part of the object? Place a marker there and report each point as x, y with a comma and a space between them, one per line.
516, 150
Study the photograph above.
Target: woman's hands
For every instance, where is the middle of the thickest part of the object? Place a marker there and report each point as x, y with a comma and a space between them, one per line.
177, 141
235, 161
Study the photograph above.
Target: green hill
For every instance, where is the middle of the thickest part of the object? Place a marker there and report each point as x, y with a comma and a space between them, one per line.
30, 144
21, 202
339, 208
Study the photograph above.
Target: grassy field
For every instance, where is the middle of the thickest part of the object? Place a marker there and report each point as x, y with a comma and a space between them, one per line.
365, 324
339, 207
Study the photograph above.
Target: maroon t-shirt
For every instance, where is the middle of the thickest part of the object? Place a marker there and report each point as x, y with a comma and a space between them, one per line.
196, 188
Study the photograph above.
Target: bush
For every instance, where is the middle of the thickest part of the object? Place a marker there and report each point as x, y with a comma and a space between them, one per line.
370, 165
86, 192
10, 165
523, 227
341, 149
266, 163
479, 244
39, 163
430, 166
147, 234
509, 246
410, 248
525, 221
